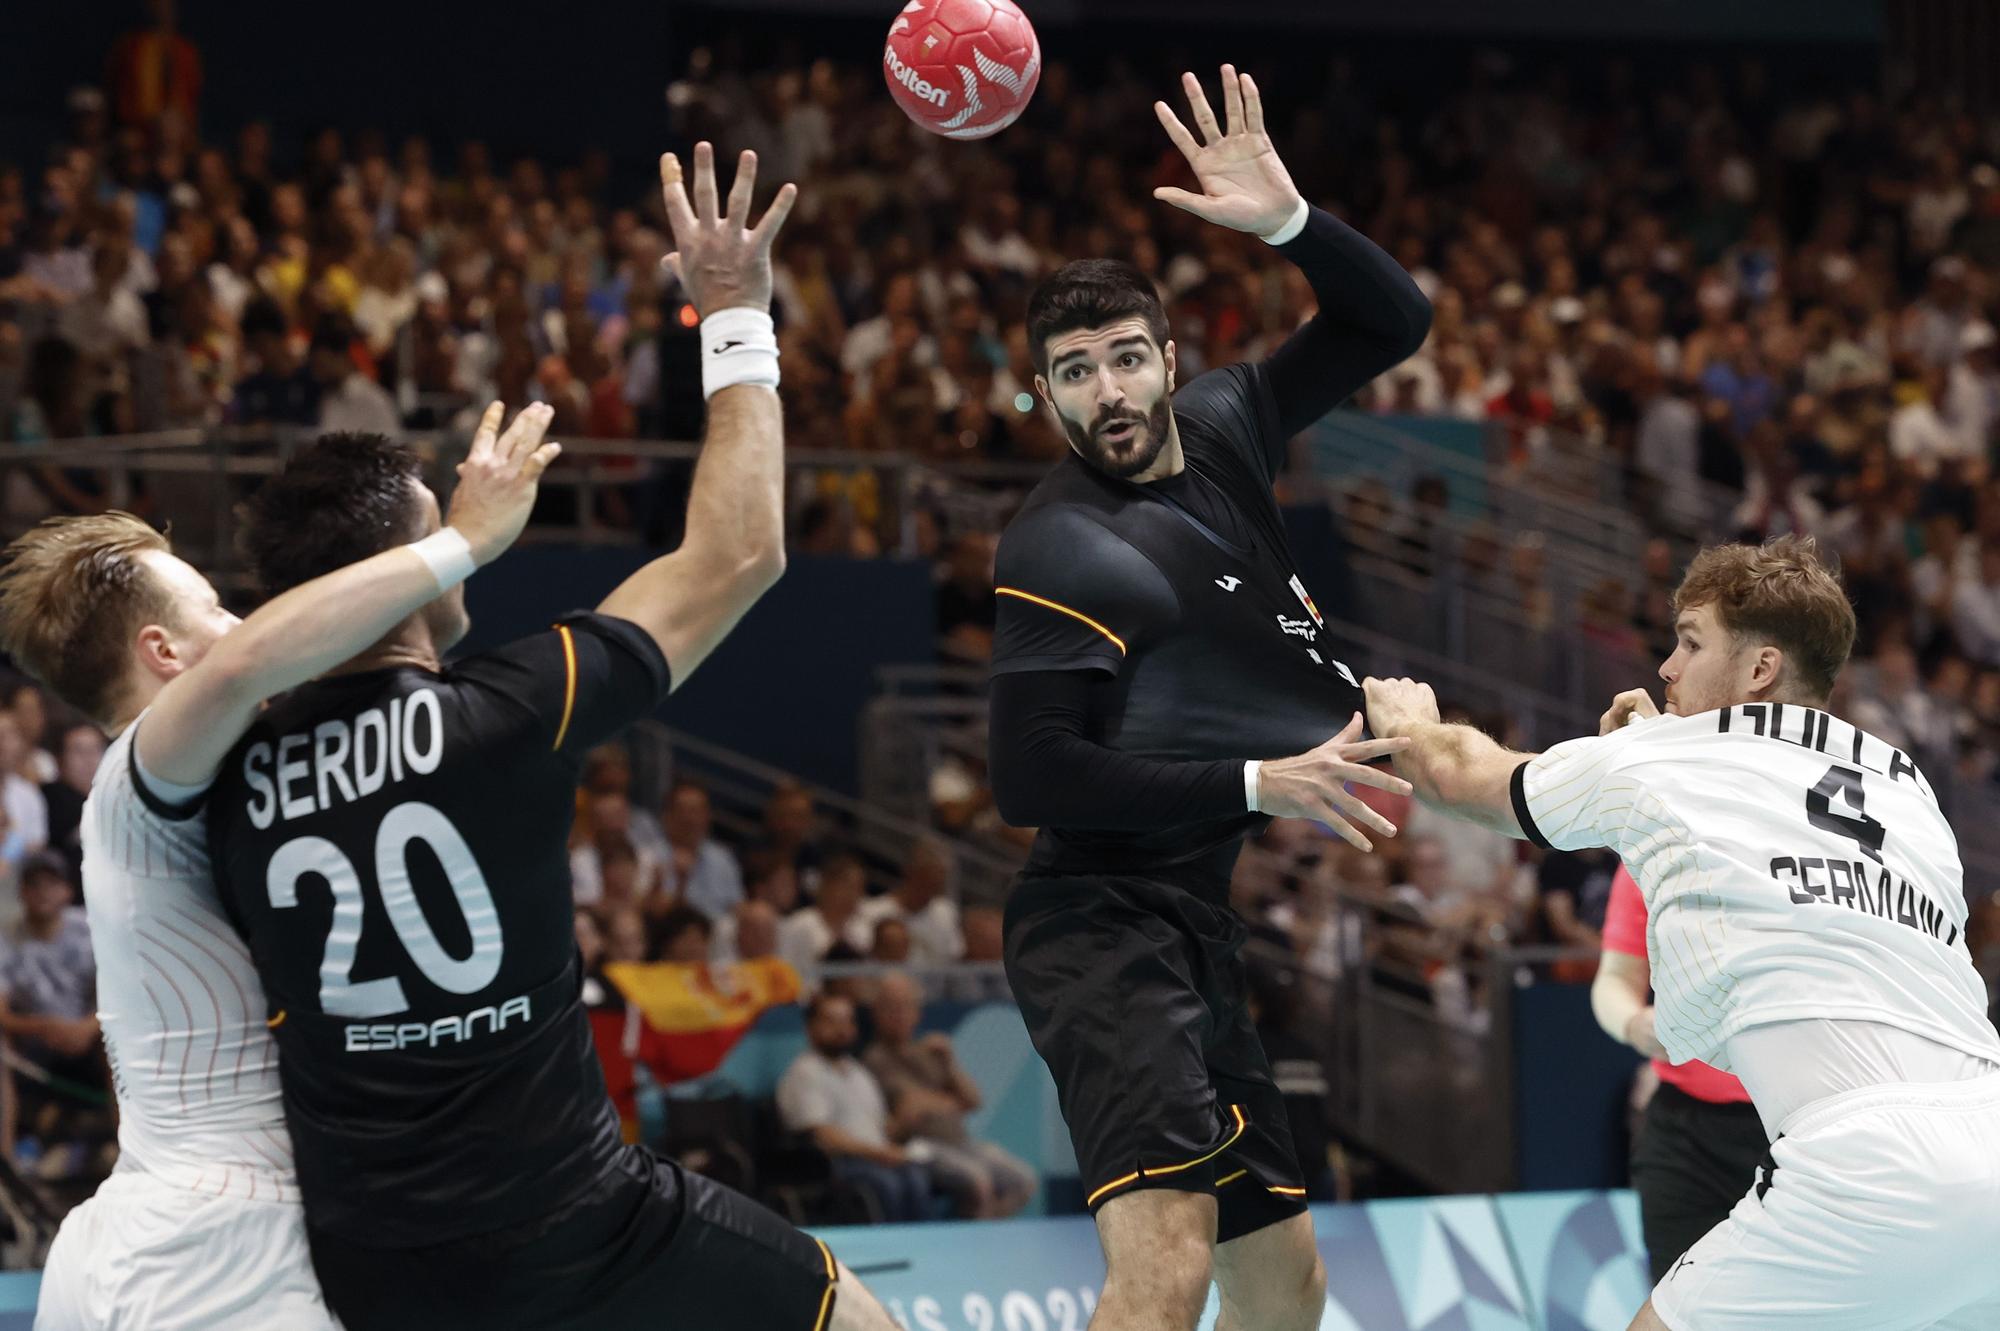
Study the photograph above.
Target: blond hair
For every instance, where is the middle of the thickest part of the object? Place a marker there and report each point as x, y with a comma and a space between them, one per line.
1781, 593
73, 592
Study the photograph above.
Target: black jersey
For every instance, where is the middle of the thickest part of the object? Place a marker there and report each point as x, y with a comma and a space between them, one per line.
393, 844
1204, 647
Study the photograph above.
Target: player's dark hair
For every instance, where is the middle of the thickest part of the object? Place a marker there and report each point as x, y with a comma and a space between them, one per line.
345, 497
1780, 593
1089, 293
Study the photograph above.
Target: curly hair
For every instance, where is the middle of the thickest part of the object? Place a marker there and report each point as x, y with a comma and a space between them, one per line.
1781, 593
341, 499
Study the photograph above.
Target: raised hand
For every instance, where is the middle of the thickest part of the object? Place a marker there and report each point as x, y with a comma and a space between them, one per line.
497, 480
720, 259
1243, 184
1314, 785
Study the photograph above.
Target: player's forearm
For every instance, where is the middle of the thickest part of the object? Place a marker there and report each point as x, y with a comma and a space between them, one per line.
1046, 772
1462, 771
1357, 283
295, 637
1371, 317
1614, 1001
736, 507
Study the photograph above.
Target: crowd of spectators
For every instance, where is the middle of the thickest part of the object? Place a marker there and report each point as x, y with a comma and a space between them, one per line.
55, 1114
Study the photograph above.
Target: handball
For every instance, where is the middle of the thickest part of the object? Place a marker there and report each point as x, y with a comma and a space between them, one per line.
962, 68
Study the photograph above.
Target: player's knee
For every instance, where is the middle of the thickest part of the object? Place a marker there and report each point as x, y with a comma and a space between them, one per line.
1173, 1273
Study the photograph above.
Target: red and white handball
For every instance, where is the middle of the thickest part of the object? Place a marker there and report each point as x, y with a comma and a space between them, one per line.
962, 68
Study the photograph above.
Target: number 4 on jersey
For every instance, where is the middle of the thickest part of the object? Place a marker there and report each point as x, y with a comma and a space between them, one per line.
1859, 827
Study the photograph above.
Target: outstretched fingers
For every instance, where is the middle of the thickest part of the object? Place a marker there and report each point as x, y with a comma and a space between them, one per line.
774, 217
743, 187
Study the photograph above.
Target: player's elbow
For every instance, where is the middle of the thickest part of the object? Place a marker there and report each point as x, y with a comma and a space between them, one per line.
1416, 312
760, 568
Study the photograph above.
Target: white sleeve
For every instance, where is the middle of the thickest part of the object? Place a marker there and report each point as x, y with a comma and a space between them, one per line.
1578, 794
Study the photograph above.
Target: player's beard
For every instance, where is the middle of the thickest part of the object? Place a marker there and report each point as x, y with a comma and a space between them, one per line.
1130, 457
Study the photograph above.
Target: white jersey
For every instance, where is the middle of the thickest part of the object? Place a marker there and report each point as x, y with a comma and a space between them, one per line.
195, 1067
1793, 868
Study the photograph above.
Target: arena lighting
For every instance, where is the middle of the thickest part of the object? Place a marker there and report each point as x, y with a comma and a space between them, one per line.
688, 316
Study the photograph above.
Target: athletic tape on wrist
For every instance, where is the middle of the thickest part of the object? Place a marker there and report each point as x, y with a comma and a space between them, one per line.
738, 346
448, 555
1250, 770
1293, 225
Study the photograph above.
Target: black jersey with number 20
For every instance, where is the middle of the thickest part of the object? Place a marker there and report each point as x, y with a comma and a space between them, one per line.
393, 844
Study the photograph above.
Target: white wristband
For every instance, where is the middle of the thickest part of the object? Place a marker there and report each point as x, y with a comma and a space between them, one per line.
449, 556
1250, 770
1293, 225
738, 346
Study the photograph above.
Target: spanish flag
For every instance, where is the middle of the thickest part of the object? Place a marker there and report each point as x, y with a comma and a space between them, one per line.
677, 1020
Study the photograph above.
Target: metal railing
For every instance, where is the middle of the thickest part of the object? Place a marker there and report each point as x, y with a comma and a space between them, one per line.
739, 787
1419, 1073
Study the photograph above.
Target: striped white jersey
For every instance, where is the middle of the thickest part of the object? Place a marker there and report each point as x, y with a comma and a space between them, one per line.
195, 1068
1793, 868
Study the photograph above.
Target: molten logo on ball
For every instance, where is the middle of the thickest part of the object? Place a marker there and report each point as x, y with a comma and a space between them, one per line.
962, 68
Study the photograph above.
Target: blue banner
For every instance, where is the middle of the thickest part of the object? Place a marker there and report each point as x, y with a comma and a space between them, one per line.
1533, 1262
1529, 1262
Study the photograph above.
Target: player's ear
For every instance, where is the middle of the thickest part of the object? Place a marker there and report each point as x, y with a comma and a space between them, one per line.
1042, 392
156, 652
1167, 353
1767, 670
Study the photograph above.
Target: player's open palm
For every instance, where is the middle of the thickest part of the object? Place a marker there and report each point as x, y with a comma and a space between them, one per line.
1244, 185
498, 479
720, 259
1314, 785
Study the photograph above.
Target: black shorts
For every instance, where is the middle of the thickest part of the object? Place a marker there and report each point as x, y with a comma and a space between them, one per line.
1693, 1162
1135, 996
656, 1248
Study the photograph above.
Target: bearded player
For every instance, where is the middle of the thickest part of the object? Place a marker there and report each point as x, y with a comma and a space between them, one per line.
200, 1228
1156, 659
1807, 932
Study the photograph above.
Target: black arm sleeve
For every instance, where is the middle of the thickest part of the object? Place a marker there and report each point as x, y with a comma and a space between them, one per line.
1371, 317
1047, 773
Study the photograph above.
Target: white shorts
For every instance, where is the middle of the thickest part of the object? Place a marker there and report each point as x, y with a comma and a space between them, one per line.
1882, 1214
143, 1254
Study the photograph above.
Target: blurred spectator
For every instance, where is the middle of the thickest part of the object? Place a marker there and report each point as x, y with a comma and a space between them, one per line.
699, 870
1975, 607
48, 1007
889, 943
830, 1097
683, 934
348, 399
1890, 702
981, 979
966, 605
625, 935
80, 747
921, 902
929, 1096
155, 72
30, 710
27, 811
745, 934
791, 832
830, 924
607, 827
